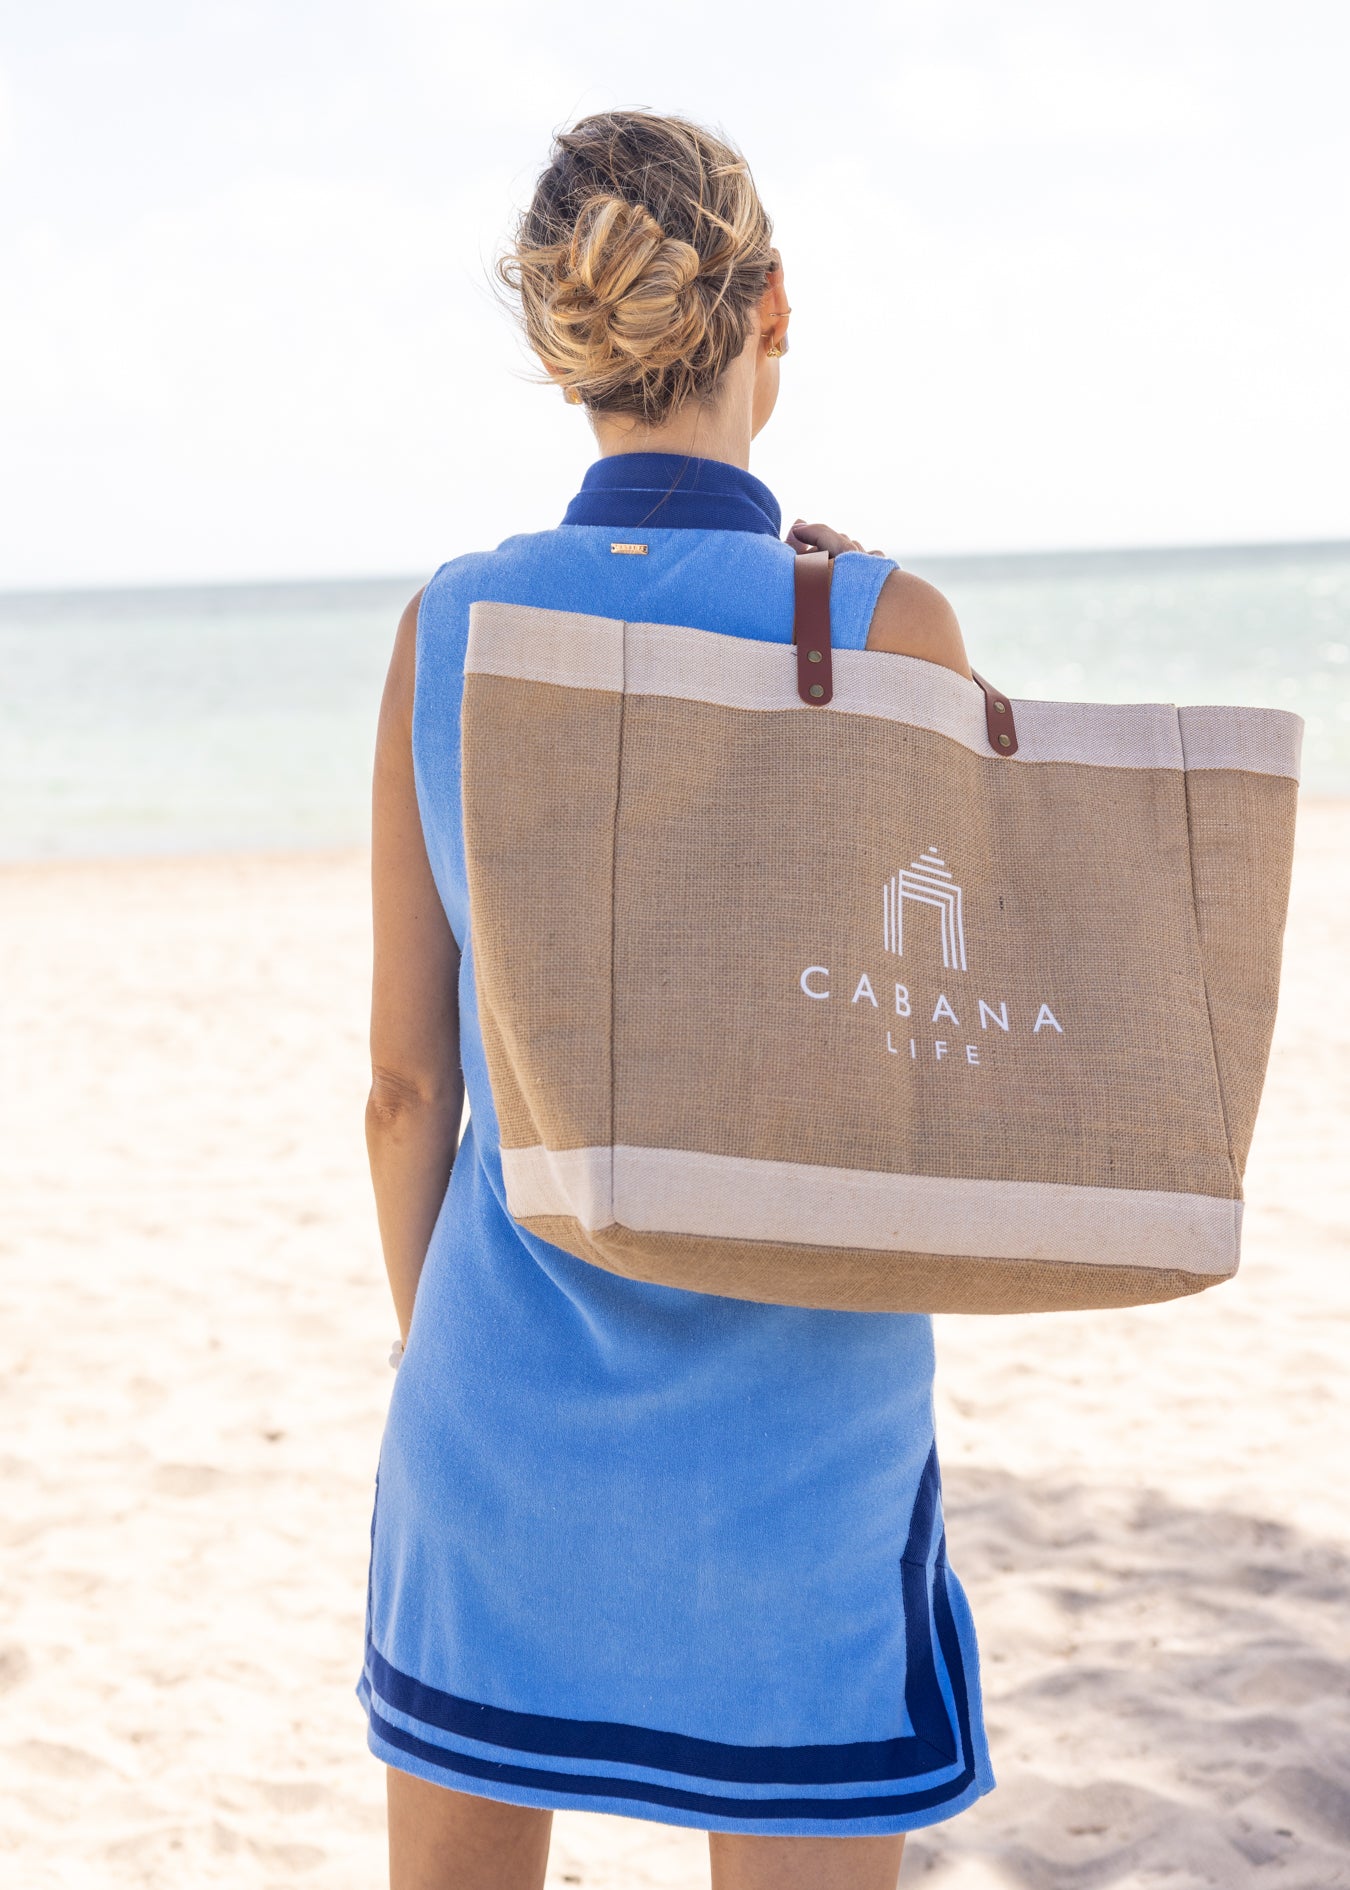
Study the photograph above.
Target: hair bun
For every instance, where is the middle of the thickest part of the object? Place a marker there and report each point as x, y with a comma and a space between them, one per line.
639, 262
626, 285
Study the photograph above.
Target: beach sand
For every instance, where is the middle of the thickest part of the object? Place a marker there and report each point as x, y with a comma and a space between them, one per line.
1148, 1509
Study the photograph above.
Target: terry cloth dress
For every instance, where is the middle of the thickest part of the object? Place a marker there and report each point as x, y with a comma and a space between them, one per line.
636, 1549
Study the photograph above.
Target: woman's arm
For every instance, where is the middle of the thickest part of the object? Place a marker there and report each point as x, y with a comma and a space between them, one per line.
417, 1086
912, 617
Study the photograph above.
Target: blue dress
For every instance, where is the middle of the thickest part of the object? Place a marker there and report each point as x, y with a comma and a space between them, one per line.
636, 1549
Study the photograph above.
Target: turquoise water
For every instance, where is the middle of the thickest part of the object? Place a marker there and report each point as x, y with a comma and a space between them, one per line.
163, 721
191, 720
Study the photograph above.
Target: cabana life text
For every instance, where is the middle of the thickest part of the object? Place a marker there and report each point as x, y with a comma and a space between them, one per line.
815, 983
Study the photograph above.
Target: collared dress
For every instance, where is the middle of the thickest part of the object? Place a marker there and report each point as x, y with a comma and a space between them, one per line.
636, 1549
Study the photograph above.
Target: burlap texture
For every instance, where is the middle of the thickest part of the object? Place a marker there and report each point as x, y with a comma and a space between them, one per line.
650, 877
747, 853
540, 785
1242, 848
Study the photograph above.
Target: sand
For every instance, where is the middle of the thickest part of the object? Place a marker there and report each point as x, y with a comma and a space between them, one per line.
1148, 1509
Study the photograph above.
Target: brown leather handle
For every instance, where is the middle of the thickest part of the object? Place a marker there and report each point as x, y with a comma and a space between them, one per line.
811, 626
811, 635
998, 718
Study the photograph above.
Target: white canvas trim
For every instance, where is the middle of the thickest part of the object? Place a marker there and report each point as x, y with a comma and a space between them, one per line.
573, 1181
581, 652
557, 646
1259, 741
678, 1191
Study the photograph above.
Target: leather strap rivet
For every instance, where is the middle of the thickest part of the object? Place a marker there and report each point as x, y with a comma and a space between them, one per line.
811, 626
995, 706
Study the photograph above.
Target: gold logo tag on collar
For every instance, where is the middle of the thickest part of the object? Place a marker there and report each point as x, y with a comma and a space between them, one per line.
633, 551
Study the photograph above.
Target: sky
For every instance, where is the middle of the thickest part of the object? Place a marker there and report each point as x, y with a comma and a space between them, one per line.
1063, 274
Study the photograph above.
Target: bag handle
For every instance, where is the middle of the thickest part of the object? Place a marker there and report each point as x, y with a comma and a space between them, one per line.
812, 575
998, 718
811, 626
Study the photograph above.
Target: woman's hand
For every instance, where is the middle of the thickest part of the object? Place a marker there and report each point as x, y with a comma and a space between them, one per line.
804, 537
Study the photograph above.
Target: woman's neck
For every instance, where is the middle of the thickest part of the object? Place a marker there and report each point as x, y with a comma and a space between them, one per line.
722, 431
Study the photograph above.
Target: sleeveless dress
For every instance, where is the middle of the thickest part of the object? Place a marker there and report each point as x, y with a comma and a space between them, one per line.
636, 1549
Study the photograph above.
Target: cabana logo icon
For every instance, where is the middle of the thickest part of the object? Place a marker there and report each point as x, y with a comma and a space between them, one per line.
925, 882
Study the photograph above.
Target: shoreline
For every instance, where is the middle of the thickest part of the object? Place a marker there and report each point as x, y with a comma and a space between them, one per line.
1009, 561
223, 856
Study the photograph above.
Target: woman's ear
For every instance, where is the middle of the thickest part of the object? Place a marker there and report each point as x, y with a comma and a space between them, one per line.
570, 394
774, 308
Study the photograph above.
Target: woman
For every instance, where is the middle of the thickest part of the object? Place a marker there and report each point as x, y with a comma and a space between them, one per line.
635, 1549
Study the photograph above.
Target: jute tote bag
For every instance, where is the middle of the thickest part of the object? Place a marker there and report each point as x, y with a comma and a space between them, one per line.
832, 979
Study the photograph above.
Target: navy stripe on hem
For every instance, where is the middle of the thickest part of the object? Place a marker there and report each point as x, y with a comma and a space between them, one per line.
611, 1741
586, 1785
931, 1745
758, 1810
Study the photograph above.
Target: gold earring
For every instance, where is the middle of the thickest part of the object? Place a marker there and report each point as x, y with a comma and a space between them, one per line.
572, 395
779, 348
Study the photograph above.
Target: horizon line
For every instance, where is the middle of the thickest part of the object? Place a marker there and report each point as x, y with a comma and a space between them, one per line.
1085, 554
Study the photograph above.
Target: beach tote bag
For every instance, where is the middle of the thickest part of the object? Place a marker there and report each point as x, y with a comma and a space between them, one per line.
831, 978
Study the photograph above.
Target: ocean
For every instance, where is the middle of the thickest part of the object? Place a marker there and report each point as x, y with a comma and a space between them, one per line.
243, 716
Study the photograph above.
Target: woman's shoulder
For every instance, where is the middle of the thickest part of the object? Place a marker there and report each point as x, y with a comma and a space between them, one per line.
515, 565
433, 628
903, 614
913, 618
450, 581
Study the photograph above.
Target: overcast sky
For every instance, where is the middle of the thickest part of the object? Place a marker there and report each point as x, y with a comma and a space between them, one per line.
1063, 274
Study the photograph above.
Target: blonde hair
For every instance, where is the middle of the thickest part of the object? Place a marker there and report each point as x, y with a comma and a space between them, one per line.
639, 262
